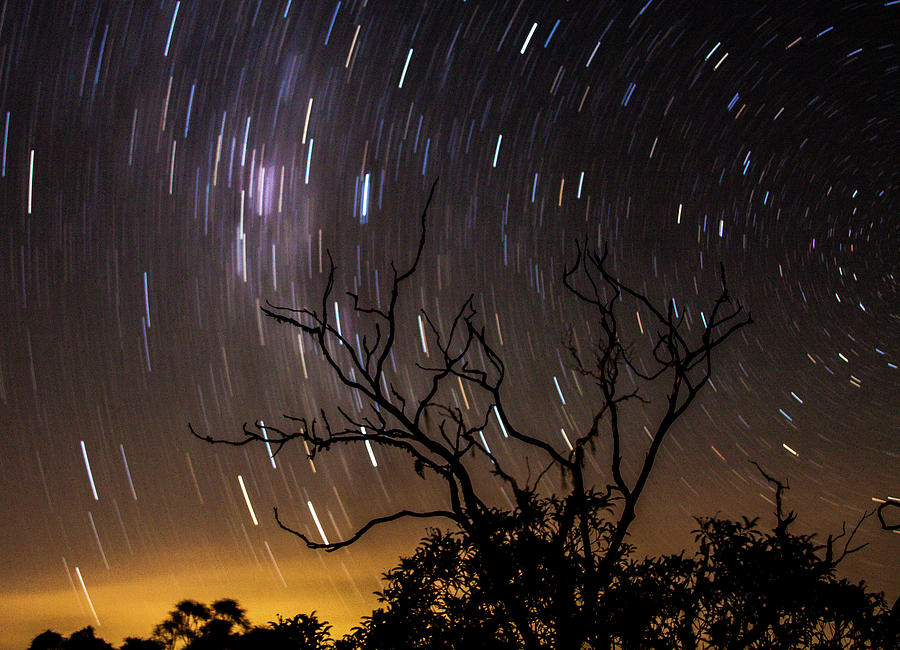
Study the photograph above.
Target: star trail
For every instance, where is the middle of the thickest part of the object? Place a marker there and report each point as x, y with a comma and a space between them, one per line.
168, 168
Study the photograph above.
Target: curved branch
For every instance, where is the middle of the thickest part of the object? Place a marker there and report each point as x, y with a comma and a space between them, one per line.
251, 437
398, 279
880, 512
333, 546
847, 550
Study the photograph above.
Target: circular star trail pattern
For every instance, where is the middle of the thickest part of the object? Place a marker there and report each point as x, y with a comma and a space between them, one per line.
169, 167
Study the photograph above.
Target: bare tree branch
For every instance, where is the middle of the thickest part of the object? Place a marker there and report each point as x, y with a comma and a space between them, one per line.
847, 550
333, 546
783, 521
889, 503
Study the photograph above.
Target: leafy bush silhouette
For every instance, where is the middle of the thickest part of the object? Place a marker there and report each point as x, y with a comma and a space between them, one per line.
136, 643
47, 640
746, 588
301, 632
195, 625
86, 639
742, 588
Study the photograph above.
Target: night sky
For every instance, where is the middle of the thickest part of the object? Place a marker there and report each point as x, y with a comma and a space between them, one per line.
170, 166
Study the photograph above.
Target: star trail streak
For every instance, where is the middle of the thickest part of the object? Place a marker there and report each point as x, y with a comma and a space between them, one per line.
167, 170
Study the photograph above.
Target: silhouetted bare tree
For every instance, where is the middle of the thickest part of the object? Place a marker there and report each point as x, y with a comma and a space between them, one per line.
581, 533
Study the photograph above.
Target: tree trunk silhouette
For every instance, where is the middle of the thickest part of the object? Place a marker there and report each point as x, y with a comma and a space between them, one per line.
445, 442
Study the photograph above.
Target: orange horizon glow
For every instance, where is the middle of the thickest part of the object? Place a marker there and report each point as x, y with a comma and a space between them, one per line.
339, 587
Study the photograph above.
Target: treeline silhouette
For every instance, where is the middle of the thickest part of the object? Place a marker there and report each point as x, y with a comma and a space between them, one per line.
743, 587
223, 625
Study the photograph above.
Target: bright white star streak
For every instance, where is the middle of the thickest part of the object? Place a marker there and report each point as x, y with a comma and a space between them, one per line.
247, 499
87, 595
87, 465
315, 517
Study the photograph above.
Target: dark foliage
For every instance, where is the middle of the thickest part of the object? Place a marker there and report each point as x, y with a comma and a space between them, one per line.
743, 588
86, 639
198, 626
135, 643
195, 626
47, 640
83, 639
301, 632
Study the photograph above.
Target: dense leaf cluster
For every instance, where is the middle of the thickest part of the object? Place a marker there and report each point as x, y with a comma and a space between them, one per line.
744, 587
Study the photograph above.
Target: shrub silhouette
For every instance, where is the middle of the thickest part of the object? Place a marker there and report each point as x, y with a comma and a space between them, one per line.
192, 624
136, 643
742, 588
745, 588
47, 640
86, 639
